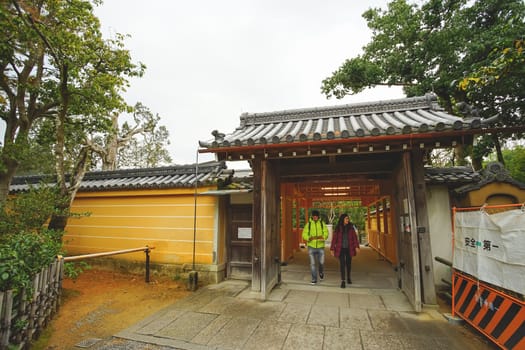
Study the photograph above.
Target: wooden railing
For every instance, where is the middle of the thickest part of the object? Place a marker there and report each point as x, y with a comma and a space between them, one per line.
24, 314
145, 249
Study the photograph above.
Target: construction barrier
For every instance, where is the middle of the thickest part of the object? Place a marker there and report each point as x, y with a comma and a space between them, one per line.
494, 313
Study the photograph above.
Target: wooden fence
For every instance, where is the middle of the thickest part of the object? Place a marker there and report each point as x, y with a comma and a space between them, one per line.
25, 314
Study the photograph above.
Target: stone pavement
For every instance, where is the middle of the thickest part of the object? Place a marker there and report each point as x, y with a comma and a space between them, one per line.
371, 314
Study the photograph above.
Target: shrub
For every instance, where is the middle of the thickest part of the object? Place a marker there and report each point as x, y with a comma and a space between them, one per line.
24, 254
26, 245
28, 211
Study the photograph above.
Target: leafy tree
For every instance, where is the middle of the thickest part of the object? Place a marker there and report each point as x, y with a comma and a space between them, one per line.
432, 47
139, 146
25, 244
27, 211
515, 162
499, 88
506, 62
121, 147
40, 145
55, 64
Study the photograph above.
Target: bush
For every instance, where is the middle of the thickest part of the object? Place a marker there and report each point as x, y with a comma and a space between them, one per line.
23, 255
28, 211
26, 245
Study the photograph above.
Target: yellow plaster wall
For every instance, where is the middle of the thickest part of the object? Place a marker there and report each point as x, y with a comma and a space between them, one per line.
481, 196
163, 219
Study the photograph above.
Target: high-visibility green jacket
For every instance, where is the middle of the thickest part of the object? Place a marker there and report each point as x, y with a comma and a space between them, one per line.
315, 229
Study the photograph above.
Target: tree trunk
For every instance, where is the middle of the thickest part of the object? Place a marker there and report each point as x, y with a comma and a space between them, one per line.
497, 145
58, 222
459, 155
109, 159
477, 163
6, 177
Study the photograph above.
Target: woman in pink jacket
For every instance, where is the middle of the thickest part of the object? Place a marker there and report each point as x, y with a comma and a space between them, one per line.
344, 246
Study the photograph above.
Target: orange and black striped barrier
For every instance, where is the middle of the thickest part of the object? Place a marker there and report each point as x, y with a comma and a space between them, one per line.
499, 316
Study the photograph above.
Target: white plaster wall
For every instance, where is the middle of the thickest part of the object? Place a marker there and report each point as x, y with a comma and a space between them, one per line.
440, 221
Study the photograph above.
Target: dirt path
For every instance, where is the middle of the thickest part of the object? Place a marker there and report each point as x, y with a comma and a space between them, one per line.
100, 303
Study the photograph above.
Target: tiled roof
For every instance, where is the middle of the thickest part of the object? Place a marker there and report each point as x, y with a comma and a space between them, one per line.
454, 175
493, 172
352, 121
177, 176
242, 179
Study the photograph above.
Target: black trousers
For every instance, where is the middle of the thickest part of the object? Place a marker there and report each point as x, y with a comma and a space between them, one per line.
345, 263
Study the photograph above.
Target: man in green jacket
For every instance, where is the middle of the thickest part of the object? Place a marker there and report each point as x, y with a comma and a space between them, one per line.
315, 233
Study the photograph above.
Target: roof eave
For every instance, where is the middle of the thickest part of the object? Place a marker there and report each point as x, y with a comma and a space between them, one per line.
338, 141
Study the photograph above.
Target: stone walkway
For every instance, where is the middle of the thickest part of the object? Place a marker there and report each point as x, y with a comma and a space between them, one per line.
371, 314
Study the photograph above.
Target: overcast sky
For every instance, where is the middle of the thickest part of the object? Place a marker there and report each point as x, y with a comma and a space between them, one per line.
209, 61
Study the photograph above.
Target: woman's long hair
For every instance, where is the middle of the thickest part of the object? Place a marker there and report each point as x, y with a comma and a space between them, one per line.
341, 222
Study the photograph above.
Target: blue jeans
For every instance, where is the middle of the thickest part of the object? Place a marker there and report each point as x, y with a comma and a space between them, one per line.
316, 257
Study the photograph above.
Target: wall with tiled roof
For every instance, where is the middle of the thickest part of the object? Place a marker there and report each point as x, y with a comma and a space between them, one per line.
149, 178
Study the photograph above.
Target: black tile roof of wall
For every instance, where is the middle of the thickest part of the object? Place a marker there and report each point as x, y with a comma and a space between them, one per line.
178, 176
493, 172
452, 175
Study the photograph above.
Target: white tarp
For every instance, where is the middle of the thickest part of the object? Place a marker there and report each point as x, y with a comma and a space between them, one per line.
492, 247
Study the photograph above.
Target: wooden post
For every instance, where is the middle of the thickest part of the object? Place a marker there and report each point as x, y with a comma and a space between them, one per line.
5, 322
411, 230
147, 264
257, 214
193, 280
428, 292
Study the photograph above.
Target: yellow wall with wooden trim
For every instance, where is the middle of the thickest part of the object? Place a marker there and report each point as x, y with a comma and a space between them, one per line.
163, 219
495, 193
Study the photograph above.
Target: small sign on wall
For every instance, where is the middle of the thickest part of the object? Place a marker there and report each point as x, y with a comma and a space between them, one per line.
244, 233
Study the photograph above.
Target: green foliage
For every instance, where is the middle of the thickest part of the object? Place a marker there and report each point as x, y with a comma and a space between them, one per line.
506, 61
484, 146
41, 143
56, 66
24, 254
20, 324
28, 211
140, 144
358, 217
515, 163
26, 246
464, 51
74, 269
353, 208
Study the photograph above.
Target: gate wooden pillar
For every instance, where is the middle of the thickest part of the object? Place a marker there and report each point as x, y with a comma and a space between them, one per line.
256, 225
287, 241
428, 289
266, 227
408, 252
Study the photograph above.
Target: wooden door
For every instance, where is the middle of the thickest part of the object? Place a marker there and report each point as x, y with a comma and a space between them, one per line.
408, 251
240, 242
